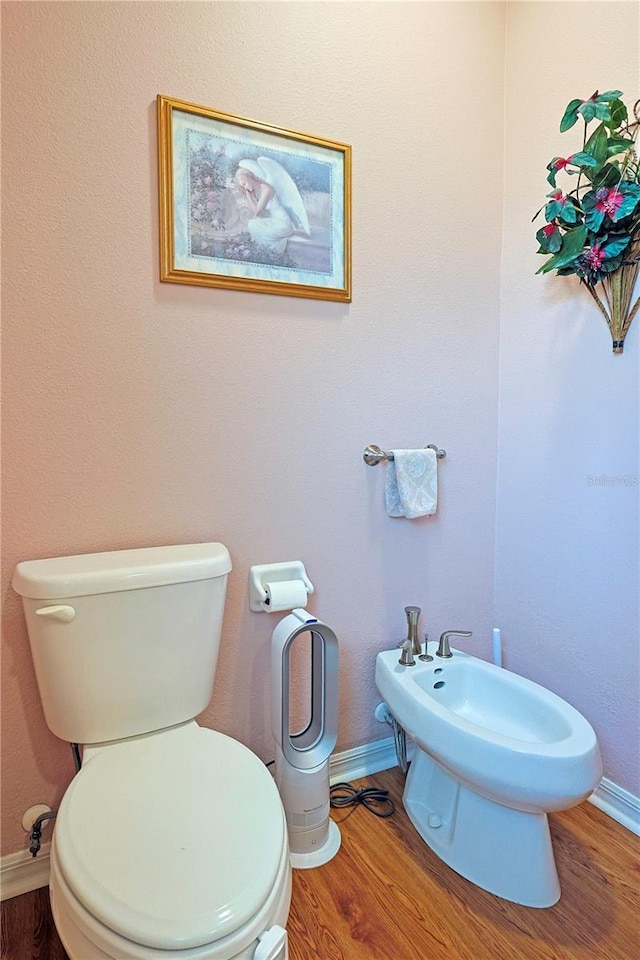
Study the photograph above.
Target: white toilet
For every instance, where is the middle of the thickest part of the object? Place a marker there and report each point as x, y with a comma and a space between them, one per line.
170, 841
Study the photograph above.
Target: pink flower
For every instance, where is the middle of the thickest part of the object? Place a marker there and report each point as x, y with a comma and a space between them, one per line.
594, 256
559, 163
548, 229
608, 201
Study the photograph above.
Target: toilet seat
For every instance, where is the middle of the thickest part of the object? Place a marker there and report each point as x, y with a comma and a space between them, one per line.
84, 937
173, 840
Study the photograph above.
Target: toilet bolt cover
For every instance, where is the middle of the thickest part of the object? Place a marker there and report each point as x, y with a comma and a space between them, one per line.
172, 840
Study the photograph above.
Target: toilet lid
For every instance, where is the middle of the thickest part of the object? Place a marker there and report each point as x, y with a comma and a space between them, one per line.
173, 840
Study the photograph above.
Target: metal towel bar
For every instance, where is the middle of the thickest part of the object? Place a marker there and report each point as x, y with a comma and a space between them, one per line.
373, 455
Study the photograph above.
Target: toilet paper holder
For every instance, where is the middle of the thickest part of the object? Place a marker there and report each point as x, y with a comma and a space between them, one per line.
263, 573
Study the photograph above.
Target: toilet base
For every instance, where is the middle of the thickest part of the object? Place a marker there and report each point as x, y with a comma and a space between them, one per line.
507, 852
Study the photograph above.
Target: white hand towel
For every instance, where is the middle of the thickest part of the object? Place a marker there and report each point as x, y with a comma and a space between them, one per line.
411, 484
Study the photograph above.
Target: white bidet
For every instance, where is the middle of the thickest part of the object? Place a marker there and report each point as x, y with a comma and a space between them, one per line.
495, 753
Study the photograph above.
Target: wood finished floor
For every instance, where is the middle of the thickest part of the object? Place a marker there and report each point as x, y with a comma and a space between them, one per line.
385, 896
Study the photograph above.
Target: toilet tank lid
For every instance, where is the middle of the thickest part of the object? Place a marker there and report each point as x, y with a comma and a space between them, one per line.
94, 573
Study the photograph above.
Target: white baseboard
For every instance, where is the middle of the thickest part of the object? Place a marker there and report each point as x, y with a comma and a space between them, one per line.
20, 872
363, 761
618, 804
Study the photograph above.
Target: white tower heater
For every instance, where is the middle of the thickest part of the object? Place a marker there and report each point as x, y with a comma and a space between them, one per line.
302, 759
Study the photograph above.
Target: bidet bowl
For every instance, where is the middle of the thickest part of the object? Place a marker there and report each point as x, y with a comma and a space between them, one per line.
506, 737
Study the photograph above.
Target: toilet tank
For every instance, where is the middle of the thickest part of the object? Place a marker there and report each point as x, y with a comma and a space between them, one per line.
124, 643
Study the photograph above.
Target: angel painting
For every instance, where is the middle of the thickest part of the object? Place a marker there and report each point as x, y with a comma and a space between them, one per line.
275, 201
250, 206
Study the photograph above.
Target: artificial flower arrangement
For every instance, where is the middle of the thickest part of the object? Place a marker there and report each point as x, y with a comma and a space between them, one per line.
593, 230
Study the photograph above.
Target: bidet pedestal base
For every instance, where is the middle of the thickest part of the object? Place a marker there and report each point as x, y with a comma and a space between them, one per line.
507, 852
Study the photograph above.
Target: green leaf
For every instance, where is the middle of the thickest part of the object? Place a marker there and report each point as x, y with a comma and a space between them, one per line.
608, 266
596, 145
584, 159
568, 213
588, 111
552, 209
572, 246
553, 172
570, 116
549, 242
608, 96
619, 114
615, 246
616, 145
607, 176
593, 219
602, 111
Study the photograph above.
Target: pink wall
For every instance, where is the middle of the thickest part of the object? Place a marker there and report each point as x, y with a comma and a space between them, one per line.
144, 413
567, 558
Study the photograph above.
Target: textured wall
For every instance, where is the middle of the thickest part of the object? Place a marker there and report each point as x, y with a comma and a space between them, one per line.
567, 571
144, 413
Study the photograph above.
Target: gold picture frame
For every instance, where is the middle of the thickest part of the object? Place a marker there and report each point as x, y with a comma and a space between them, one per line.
250, 206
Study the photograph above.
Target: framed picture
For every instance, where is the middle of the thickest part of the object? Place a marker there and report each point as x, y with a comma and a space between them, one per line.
250, 206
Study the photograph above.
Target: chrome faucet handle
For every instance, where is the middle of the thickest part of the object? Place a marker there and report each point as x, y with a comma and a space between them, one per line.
426, 655
406, 657
444, 650
413, 616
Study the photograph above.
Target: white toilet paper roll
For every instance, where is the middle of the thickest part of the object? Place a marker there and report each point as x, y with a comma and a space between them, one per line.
285, 595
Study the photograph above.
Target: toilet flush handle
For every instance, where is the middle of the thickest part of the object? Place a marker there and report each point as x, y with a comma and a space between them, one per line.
61, 612
272, 945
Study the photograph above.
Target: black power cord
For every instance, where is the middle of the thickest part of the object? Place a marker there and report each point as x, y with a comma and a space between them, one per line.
375, 800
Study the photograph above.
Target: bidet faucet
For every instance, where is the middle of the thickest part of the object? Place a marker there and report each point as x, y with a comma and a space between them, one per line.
407, 658
413, 615
444, 650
